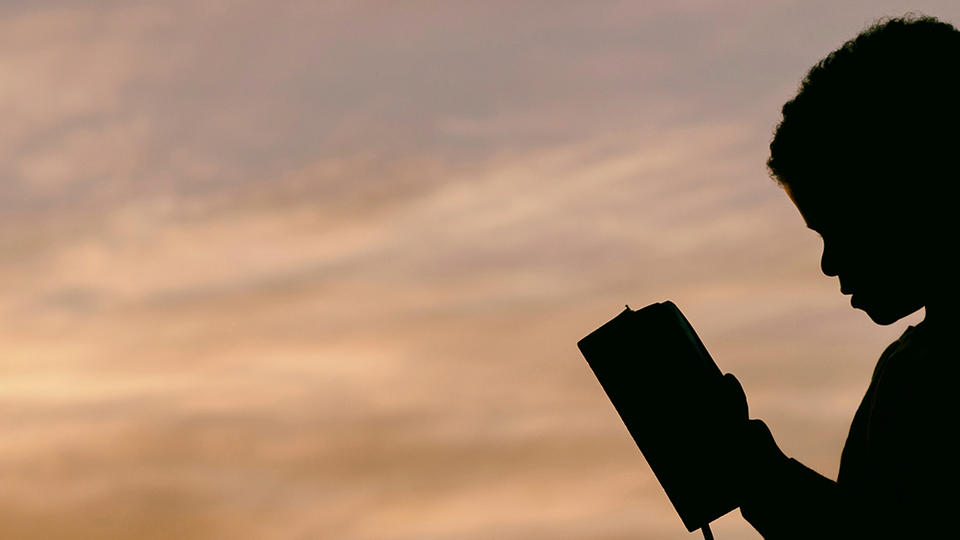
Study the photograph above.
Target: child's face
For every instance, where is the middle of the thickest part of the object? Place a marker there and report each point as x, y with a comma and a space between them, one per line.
869, 246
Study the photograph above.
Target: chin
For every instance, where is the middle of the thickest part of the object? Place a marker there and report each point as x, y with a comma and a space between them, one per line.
884, 319
887, 314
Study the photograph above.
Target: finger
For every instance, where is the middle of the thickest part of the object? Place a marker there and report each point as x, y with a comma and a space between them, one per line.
736, 396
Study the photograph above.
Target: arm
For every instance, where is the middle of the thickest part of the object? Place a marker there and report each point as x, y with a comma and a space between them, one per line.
914, 496
785, 499
911, 493
906, 483
781, 498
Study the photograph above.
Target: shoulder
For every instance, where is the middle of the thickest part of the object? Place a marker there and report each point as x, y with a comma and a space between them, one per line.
918, 379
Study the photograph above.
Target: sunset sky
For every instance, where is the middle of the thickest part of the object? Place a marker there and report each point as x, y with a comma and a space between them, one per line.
317, 270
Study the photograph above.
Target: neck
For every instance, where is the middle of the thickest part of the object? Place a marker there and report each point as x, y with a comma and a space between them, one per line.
942, 313
942, 294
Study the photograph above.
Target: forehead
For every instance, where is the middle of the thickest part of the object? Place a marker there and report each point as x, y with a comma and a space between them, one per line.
841, 210
834, 211
813, 208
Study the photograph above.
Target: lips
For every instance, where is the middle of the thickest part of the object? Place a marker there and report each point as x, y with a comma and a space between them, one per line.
845, 288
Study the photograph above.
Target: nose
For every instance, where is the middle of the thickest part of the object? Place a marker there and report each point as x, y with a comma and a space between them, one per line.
828, 261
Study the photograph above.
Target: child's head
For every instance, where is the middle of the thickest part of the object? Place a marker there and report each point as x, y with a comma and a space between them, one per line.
867, 150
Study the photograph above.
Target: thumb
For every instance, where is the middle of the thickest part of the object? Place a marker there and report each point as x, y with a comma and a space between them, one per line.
734, 397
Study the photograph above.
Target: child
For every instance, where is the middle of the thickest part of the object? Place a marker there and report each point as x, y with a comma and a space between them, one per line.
868, 152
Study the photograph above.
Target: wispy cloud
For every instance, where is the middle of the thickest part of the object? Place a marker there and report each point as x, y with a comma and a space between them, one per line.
318, 269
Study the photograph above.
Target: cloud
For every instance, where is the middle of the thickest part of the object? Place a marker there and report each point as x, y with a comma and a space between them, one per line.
319, 268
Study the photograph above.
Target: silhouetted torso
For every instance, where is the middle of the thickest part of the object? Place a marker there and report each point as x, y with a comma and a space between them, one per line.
899, 470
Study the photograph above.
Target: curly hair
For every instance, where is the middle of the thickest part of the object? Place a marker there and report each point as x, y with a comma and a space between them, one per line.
883, 105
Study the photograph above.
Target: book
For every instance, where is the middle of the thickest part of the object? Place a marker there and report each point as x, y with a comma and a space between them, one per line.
666, 388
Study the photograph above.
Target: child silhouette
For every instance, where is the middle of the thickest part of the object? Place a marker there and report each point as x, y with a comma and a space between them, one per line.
868, 153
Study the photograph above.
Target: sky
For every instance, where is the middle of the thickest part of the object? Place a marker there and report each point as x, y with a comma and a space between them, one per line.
302, 270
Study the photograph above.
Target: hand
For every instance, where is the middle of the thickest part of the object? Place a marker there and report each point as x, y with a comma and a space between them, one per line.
752, 449
733, 401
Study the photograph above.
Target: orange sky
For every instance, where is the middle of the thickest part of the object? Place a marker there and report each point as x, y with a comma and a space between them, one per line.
303, 270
